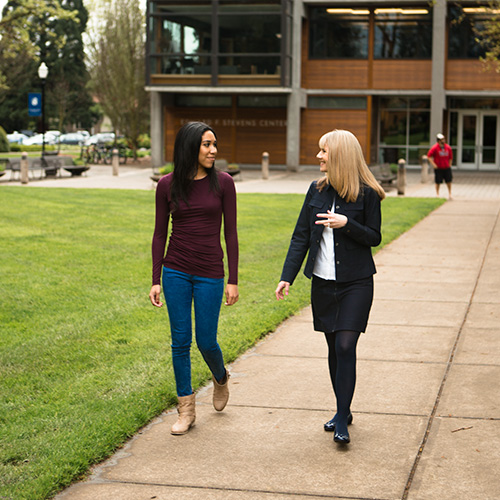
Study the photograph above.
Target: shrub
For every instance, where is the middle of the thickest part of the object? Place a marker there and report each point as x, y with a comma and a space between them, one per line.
4, 143
17, 148
144, 141
166, 169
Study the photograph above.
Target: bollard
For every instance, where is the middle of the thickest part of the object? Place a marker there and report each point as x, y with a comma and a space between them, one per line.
24, 168
401, 178
425, 170
114, 161
265, 165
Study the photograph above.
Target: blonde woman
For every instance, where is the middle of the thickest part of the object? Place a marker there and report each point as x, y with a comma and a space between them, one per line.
338, 225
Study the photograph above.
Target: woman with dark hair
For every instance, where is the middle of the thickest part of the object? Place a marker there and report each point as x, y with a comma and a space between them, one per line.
338, 225
196, 197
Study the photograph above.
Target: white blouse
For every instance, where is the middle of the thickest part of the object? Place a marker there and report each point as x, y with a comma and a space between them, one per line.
324, 267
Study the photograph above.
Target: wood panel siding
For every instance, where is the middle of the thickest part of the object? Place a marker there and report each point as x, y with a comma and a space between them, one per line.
267, 80
158, 79
316, 122
336, 74
402, 74
262, 129
243, 134
470, 74
252, 80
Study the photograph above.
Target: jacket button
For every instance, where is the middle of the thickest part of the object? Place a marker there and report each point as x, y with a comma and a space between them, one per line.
337, 207
338, 262
336, 244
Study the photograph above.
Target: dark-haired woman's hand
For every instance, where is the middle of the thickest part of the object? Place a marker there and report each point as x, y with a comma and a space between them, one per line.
232, 294
154, 295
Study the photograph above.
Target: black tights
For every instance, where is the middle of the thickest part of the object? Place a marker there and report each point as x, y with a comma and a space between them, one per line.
342, 364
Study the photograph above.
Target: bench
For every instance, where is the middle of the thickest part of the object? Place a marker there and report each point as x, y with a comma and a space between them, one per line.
223, 166
383, 174
74, 170
14, 165
49, 165
4, 162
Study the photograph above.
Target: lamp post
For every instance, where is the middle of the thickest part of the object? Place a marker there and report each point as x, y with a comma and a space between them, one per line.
43, 71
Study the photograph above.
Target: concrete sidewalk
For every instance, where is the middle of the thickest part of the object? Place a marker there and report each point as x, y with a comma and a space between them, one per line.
426, 408
468, 185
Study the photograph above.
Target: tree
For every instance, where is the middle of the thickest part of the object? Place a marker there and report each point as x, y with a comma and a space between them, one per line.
117, 68
19, 17
490, 37
51, 31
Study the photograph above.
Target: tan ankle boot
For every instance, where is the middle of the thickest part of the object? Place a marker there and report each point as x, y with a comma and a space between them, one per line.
221, 392
187, 415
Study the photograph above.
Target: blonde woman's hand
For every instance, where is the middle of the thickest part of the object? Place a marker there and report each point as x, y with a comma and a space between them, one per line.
332, 220
282, 286
232, 295
154, 295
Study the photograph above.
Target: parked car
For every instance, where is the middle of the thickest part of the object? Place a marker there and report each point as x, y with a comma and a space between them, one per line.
100, 138
16, 138
37, 140
84, 133
72, 138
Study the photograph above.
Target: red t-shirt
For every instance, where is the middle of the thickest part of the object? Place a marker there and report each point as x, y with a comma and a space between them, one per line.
442, 156
194, 246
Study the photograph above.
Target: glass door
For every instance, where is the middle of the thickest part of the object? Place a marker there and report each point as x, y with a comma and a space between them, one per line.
488, 156
467, 140
478, 140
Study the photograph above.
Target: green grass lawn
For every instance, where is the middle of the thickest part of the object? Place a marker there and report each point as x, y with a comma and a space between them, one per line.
84, 357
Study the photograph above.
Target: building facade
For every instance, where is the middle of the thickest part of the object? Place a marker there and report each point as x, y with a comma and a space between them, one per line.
274, 75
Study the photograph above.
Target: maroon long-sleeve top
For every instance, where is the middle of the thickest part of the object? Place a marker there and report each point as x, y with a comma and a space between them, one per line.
194, 246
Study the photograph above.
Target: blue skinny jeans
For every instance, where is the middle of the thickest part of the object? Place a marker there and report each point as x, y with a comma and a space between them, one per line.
180, 291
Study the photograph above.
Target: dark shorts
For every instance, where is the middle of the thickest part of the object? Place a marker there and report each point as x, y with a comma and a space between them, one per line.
341, 306
442, 174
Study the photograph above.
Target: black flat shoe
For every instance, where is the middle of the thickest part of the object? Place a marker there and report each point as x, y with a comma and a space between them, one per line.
341, 438
330, 425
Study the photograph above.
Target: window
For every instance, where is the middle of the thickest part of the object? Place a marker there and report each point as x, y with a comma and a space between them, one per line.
203, 101
403, 33
323, 102
465, 26
237, 37
404, 129
262, 101
338, 33
250, 43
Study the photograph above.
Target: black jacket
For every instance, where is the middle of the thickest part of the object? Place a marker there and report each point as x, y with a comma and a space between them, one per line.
353, 242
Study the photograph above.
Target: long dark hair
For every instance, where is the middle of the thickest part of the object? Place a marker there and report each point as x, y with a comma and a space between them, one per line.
186, 152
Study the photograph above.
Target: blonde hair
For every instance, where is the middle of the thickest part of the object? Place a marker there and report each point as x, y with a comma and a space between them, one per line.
347, 170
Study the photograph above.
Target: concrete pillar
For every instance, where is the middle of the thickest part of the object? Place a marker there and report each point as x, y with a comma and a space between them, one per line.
401, 177
23, 166
115, 161
438, 96
294, 102
293, 132
424, 178
265, 165
156, 129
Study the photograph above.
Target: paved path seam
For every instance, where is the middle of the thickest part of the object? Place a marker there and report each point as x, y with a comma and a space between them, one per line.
449, 364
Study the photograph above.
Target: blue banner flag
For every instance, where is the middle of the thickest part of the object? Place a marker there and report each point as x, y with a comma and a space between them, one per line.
34, 104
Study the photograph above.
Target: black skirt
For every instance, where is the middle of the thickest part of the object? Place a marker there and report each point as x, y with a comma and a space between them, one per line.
341, 306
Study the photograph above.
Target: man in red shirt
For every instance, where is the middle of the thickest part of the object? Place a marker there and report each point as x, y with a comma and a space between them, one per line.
441, 156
